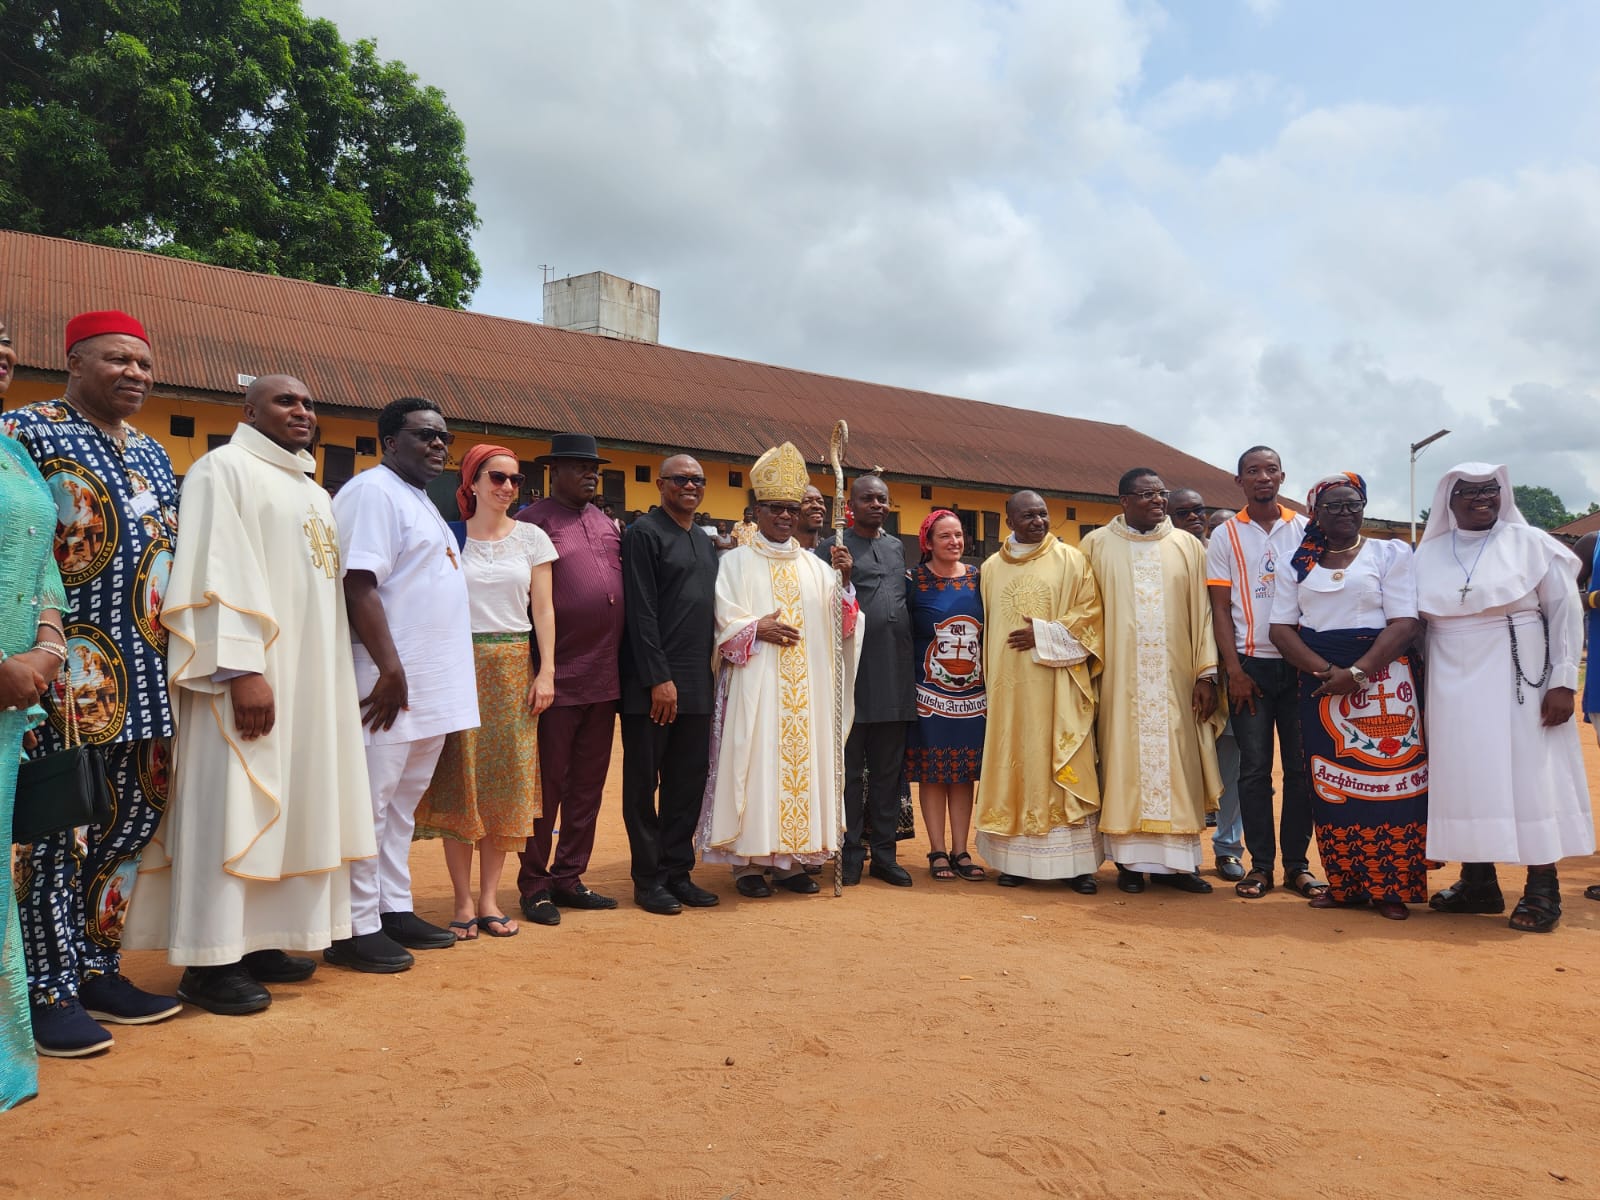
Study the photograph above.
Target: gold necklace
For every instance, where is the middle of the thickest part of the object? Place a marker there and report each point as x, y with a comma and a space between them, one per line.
1355, 545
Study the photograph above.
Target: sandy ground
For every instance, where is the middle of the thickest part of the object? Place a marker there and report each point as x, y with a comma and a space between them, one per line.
948, 1040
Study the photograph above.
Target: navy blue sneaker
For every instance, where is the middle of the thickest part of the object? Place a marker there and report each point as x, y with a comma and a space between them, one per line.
64, 1030
113, 998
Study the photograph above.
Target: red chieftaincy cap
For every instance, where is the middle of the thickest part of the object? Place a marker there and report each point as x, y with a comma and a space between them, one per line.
93, 324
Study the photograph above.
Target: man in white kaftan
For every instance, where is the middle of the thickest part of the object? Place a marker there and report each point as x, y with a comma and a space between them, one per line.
269, 793
772, 796
1504, 637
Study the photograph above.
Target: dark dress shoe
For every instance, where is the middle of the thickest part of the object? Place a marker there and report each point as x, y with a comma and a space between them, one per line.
538, 909
753, 886
412, 932
851, 874
1005, 880
580, 897
375, 953
274, 966
228, 991
657, 900
1129, 881
891, 873
691, 895
801, 884
1084, 885
1183, 881
1392, 910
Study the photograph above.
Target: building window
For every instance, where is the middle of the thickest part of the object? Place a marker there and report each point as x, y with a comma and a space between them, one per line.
338, 466
641, 474
181, 427
735, 478
367, 446
213, 440
1085, 530
927, 491
1072, 513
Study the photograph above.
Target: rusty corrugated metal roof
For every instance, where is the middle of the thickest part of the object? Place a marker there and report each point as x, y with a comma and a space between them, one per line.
357, 350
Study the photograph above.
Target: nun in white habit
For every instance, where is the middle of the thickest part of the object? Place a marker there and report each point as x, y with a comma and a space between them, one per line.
1505, 632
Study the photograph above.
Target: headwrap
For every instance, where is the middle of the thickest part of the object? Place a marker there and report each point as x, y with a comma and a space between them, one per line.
471, 463
1315, 543
1512, 564
93, 324
924, 533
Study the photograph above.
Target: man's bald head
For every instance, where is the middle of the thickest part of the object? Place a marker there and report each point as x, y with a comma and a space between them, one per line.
1028, 516
682, 483
279, 407
869, 501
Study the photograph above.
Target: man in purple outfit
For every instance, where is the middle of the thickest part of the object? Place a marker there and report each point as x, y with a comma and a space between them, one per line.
575, 731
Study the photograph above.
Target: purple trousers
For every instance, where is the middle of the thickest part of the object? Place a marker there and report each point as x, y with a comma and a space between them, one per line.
574, 756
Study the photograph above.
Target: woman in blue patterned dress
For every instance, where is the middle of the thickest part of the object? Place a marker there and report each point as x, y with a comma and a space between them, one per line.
945, 748
31, 653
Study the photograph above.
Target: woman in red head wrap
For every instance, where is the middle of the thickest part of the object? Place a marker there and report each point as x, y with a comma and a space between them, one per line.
485, 790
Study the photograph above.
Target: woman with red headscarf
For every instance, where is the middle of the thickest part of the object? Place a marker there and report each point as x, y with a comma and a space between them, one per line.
485, 790
945, 748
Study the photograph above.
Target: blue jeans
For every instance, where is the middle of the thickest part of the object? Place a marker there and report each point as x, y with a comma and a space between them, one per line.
1230, 826
1276, 709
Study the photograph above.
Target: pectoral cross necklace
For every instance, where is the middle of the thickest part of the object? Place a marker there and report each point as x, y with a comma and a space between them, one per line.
1467, 586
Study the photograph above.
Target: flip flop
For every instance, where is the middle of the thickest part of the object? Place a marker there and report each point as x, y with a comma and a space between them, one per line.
487, 924
466, 931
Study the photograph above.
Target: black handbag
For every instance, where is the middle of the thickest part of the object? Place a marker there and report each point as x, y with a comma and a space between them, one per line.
60, 791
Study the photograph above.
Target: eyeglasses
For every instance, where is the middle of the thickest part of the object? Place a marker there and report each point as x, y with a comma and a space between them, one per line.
425, 436
5, 339
1487, 491
698, 481
500, 478
1193, 511
781, 510
1152, 494
1341, 506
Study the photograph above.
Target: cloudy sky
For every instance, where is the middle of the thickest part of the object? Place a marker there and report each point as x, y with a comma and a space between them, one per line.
1333, 228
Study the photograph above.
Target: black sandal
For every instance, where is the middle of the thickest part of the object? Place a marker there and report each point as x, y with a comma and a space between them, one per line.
1540, 906
963, 866
945, 873
1254, 885
1305, 883
1477, 891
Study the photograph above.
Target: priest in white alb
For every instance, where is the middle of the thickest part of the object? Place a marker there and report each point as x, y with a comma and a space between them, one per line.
772, 799
1038, 807
1158, 719
269, 793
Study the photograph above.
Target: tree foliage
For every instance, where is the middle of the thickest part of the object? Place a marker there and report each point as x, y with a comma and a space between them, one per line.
1541, 506
236, 132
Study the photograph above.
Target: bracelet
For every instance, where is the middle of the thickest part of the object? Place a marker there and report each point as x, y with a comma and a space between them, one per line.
56, 625
1592, 599
56, 649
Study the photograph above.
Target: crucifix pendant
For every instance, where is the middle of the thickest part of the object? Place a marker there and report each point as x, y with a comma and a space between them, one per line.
451, 555
1465, 588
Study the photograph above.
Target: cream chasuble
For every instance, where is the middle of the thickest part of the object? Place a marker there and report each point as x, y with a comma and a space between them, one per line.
252, 852
770, 797
1040, 790
1158, 764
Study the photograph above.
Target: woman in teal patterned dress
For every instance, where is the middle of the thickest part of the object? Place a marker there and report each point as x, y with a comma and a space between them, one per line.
31, 601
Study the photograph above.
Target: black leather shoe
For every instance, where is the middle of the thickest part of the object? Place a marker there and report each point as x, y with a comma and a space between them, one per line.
274, 966
1084, 885
228, 991
852, 874
580, 897
691, 895
414, 933
657, 900
1005, 880
1184, 881
538, 909
890, 872
1129, 881
375, 953
753, 886
801, 884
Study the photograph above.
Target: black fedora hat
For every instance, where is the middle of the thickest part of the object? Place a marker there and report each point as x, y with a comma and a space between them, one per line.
571, 445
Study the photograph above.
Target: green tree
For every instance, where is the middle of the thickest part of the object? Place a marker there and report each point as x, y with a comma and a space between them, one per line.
1541, 506
236, 132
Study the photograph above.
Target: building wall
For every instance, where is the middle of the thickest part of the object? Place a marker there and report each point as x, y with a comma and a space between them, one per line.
725, 499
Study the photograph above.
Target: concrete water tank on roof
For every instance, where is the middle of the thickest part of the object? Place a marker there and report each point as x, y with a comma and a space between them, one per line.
605, 304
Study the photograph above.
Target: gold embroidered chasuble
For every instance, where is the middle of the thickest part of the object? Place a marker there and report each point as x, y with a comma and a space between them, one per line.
259, 833
1158, 763
773, 799
1039, 768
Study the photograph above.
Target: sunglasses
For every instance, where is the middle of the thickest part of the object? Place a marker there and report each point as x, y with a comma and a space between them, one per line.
1152, 494
426, 436
780, 510
682, 481
1188, 512
500, 478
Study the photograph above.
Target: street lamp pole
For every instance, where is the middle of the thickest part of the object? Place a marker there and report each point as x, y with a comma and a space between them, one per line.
1416, 449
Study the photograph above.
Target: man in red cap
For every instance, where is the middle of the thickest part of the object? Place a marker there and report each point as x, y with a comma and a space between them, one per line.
116, 515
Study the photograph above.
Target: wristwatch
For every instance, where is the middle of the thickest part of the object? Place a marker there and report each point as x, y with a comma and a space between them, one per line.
1359, 676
